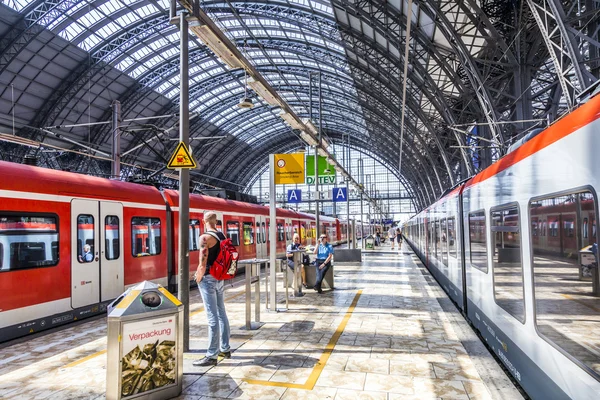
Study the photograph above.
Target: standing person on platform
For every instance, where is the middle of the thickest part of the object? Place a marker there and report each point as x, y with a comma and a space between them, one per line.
392, 236
294, 246
399, 238
324, 252
211, 291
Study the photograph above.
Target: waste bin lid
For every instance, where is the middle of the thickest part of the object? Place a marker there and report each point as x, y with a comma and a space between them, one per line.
141, 298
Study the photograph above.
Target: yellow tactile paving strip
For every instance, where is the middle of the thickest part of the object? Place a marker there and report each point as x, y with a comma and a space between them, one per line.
391, 341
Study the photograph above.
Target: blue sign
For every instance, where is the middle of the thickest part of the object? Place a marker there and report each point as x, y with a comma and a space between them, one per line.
294, 196
339, 194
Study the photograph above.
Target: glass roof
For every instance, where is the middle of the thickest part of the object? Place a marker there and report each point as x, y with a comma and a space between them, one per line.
91, 26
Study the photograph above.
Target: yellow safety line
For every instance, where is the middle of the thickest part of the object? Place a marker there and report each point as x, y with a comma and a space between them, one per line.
581, 302
316, 372
84, 359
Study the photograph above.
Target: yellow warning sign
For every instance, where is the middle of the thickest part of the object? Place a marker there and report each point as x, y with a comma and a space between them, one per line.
289, 168
181, 158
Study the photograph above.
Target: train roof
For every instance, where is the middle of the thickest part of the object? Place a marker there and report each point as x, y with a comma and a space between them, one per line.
27, 178
203, 202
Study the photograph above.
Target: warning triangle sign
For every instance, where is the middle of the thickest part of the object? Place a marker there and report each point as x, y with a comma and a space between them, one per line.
181, 158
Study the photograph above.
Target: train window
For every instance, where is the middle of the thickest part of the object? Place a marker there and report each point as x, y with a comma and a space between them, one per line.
112, 237
567, 306
28, 241
288, 231
258, 237
220, 225
534, 227
145, 236
194, 234
452, 248
477, 241
585, 228
280, 233
444, 242
86, 235
233, 232
507, 265
248, 233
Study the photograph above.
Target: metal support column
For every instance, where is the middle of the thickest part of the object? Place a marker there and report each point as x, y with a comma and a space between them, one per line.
116, 140
272, 233
184, 182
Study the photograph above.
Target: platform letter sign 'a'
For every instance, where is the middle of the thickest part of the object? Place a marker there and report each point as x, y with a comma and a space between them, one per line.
294, 196
339, 194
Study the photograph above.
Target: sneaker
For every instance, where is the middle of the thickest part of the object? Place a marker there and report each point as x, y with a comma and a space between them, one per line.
205, 362
305, 285
225, 354
319, 290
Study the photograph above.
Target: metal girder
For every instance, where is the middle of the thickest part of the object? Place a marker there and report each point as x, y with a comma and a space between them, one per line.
564, 44
438, 11
35, 19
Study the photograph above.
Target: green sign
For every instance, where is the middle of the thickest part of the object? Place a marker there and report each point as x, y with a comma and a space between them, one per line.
326, 171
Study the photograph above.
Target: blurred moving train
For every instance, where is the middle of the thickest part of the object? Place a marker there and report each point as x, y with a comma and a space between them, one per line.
48, 216
510, 247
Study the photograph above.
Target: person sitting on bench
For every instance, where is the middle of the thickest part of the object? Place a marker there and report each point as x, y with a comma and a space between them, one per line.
295, 245
324, 252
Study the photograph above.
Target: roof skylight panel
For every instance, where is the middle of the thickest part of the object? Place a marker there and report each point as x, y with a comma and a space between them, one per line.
147, 10
163, 87
72, 31
138, 71
90, 42
19, 4
172, 93
123, 65
68, 13
91, 17
108, 30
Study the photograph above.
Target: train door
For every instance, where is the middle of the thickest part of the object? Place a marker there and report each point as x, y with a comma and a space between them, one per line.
96, 249
261, 236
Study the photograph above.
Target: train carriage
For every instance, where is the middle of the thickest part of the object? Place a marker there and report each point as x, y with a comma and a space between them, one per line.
47, 218
523, 222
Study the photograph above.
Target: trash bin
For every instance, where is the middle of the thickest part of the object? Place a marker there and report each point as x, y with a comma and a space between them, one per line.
145, 339
370, 242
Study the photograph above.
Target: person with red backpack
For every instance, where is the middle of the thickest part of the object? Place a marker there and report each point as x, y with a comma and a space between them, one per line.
214, 246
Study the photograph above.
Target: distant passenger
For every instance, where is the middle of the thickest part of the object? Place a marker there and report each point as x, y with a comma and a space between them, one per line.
87, 254
399, 238
290, 256
392, 236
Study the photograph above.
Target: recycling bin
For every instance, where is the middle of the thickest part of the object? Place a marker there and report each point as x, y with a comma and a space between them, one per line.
144, 349
370, 242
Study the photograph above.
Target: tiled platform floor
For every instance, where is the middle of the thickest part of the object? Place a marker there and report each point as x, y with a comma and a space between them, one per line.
381, 334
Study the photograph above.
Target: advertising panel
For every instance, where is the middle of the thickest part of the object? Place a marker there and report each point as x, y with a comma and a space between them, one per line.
150, 356
326, 171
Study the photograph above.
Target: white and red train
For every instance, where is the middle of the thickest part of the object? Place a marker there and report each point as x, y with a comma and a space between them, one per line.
508, 247
47, 217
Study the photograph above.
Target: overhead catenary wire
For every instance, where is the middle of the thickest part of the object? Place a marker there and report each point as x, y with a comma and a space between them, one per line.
405, 78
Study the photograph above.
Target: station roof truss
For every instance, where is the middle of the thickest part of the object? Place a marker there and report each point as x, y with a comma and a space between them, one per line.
481, 74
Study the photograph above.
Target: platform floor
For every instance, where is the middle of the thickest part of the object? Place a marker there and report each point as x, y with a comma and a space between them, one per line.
381, 334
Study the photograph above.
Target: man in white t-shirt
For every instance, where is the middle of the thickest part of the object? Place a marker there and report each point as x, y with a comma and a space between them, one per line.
392, 236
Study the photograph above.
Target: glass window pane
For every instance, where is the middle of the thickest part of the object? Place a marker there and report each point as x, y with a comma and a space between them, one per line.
567, 311
233, 232
220, 225
452, 247
280, 233
145, 236
112, 237
444, 244
477, 240
194, 234
85, 238
248, 233
28, 241
508, 269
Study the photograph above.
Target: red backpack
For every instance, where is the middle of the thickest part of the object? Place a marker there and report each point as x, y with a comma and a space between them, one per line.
225, 266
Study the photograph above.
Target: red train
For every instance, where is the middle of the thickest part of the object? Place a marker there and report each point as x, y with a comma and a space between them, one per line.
48, 218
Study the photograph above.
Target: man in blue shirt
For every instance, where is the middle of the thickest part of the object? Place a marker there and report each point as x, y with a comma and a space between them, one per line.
324, 252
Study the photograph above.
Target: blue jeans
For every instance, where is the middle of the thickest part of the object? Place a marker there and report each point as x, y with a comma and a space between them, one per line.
211, 291
321, 272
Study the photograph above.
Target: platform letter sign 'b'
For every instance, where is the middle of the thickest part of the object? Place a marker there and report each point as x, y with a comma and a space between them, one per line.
339, 194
